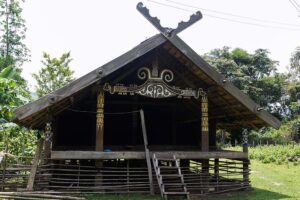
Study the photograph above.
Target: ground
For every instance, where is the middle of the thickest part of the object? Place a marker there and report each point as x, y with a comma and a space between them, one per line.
269, 182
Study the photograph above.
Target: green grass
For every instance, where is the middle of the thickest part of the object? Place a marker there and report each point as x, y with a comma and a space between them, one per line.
123, 197
269, 182
272, 154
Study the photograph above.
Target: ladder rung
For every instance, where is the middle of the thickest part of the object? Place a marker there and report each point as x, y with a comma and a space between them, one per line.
168, 167
174, 184
171, 175
182, 193
166, 159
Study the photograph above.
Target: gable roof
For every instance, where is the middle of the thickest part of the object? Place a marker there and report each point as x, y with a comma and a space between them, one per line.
35, 113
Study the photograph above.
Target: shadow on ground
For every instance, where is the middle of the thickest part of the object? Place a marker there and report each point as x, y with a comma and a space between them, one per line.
254, 194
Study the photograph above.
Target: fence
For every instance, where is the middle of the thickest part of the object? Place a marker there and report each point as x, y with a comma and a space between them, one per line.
123, 176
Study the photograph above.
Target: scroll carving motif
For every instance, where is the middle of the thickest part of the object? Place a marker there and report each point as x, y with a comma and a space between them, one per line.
155, 86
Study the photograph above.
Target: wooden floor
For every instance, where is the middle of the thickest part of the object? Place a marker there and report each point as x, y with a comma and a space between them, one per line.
141, 154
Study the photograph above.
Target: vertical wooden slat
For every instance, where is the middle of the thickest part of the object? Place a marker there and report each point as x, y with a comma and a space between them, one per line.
216, 171
147, 153
100, 121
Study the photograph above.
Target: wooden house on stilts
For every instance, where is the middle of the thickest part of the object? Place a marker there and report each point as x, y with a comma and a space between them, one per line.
144, 122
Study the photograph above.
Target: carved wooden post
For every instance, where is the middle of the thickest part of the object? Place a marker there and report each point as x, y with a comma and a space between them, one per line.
100, 121
204, 132
99, 134
48, 142
204, 124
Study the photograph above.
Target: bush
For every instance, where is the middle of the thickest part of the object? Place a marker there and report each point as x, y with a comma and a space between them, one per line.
273, 154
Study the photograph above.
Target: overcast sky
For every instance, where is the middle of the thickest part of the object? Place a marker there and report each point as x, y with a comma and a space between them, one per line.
97, 31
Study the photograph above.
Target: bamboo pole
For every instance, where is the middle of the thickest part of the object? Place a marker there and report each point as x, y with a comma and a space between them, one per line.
52, 196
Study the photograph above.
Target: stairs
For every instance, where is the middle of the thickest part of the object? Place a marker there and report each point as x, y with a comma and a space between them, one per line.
169, 177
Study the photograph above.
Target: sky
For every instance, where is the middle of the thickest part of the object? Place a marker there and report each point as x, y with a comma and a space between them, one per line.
97, 31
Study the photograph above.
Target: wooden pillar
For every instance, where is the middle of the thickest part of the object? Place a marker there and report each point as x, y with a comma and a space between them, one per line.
100, 121
204, 132
99, 135
204, 124
245, 161
48, 142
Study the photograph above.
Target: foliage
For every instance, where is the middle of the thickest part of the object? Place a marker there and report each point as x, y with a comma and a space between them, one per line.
13, 89
255, 74
295, 62
286, 133
11, 94
12, 32
278, 154
17, 140
55, 74
14, 139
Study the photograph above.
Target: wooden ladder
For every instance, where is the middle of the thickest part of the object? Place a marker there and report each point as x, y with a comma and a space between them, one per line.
169, 178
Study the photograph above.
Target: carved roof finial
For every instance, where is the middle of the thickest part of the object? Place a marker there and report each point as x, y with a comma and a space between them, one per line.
168, 32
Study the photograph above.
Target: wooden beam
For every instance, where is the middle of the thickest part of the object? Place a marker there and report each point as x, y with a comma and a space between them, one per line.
62, 155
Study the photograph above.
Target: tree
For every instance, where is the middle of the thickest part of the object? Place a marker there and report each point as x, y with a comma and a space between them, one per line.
292, 89
12, 27
13, 138
11, 94
13, 89
295, 62
255, 74
55, 74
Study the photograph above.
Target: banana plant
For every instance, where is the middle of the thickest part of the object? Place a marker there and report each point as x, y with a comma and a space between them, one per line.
8, 72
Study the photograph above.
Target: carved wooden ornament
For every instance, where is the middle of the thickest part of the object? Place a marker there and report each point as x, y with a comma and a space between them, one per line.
155, 86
